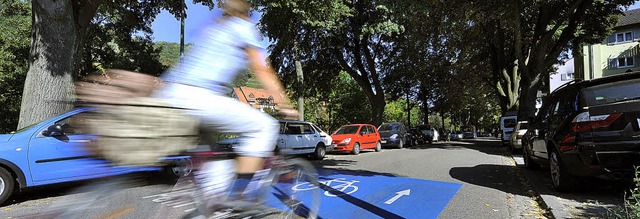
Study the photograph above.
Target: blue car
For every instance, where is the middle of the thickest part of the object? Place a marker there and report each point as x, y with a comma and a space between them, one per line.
52, 152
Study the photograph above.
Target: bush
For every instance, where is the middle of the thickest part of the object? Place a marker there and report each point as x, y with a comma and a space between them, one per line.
631, 208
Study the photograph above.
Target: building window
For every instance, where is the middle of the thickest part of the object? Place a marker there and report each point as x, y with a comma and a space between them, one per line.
624, 37
566, 77
625, 62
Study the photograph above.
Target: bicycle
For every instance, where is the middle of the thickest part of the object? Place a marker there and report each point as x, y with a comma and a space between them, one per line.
280, 174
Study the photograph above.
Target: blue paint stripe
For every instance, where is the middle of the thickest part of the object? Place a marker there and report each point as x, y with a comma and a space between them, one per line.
354, 194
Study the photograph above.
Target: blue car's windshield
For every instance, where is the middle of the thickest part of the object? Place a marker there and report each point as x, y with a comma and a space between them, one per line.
388, 127
348, 129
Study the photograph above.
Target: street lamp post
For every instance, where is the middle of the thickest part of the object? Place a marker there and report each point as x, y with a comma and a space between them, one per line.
182, 14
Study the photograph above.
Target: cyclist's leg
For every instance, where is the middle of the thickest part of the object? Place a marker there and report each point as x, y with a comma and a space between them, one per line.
257, 130
297, 202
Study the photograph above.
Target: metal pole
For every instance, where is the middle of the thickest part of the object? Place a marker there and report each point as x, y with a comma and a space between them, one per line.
182, 14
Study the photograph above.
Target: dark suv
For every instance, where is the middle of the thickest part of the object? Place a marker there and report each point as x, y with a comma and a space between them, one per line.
587, 129
393, 134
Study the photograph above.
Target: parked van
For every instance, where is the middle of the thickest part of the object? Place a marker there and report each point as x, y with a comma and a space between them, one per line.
507, 122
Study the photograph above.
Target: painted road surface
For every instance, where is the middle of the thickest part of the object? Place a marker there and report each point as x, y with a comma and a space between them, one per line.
350, 194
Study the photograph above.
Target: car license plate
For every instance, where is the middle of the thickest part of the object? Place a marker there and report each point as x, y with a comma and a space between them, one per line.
383, 141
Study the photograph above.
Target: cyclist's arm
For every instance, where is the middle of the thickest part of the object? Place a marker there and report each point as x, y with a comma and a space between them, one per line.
267, 77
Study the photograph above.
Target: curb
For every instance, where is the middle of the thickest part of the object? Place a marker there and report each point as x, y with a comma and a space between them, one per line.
533, 184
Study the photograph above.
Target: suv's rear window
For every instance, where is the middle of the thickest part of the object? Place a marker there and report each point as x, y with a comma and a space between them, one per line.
612, 92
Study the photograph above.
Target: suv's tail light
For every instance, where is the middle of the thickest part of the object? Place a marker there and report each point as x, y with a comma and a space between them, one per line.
584, 123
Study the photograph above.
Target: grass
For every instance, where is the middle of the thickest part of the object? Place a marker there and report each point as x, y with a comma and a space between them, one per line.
631, 208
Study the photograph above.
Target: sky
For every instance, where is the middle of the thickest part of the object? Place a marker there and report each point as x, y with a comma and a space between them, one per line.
167, 28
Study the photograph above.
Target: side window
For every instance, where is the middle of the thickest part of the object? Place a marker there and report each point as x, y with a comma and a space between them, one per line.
372, 130
71, 125
555, 108
294, 129
545, 111
570, 102
283, 128
318, 129
307, 129
364, 129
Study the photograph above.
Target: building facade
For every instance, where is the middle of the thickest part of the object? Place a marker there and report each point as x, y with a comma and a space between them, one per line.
256, 98
618, 53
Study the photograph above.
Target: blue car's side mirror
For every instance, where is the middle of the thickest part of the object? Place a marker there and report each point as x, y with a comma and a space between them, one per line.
53, 130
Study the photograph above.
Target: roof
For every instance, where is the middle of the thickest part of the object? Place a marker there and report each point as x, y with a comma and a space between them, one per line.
252, 96
630, 17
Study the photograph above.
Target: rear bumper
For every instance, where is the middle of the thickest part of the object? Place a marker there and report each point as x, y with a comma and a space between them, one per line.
611, 160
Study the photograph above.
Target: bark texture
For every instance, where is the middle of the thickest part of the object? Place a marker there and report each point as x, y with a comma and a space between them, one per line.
53, 49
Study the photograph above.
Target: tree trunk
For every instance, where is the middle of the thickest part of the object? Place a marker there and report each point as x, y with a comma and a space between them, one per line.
377, 108
54, 41
300, 90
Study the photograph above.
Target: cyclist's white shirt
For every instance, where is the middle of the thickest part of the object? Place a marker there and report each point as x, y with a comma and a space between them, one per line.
218, 55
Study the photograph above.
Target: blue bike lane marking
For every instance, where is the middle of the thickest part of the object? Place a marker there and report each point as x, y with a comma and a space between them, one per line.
352, 194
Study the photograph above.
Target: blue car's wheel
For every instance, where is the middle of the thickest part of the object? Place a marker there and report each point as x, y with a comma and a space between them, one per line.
6, 185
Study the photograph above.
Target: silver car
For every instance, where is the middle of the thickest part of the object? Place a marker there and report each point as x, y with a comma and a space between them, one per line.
515, 139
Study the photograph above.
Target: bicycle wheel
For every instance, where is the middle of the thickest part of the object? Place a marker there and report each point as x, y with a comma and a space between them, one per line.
294, 203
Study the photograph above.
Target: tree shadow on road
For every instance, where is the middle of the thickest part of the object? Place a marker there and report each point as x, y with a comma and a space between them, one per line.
487, 146
499, 177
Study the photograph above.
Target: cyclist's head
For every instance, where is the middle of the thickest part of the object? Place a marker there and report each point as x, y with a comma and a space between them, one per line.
236, 8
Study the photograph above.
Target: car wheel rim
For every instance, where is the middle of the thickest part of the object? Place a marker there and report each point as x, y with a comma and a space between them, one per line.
2, 185
555, 169
357, 149
182, 167
321, 153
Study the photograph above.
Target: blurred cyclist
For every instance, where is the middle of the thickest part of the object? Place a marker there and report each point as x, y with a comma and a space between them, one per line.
203, 80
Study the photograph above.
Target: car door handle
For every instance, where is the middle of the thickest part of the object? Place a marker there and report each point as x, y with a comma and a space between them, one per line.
79, 141
299, 136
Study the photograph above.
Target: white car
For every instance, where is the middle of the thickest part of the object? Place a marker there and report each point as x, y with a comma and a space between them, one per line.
516, 136
507, 123
298, 137
429, 133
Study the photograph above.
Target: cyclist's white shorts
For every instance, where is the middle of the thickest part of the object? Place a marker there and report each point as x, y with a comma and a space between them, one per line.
258, 131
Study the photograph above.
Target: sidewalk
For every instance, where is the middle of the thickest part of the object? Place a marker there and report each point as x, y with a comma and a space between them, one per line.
593, 201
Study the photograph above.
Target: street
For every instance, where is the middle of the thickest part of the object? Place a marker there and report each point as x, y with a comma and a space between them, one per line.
462, 179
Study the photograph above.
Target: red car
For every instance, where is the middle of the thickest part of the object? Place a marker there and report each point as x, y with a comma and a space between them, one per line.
355, 137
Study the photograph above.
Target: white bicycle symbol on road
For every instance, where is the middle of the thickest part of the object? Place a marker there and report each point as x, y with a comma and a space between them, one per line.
340, 184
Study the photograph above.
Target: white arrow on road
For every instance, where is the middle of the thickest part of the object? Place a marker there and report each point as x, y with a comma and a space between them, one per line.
399, 194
